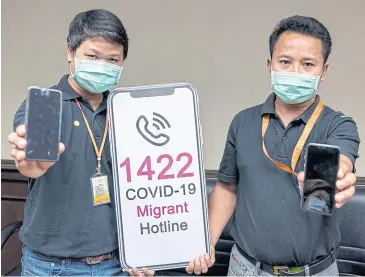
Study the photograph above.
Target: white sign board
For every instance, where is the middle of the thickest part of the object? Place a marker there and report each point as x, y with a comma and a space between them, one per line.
159, 181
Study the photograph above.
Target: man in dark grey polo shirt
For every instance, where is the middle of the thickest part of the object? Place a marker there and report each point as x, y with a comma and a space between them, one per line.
268, 225
63, 233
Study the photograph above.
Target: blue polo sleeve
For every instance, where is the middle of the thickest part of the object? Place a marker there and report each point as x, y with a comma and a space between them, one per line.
343, 133
228, 170
19, 117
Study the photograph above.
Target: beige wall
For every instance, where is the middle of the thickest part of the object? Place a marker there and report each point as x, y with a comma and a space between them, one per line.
219, 46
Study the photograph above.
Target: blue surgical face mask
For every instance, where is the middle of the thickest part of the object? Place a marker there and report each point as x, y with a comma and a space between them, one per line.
294, 88
96, 76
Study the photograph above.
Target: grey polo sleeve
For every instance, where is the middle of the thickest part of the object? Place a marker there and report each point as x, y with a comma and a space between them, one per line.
343, 133
19, 117
228, 170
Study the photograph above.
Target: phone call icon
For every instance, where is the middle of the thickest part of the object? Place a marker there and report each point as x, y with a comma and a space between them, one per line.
153, 133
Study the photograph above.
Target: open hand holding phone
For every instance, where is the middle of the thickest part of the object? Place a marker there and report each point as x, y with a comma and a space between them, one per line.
36, 144
31, 169
320, 176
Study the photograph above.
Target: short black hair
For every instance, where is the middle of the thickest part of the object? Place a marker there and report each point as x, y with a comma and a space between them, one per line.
97, 23
304, 25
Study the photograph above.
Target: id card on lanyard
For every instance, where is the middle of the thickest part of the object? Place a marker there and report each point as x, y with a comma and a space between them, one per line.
300, 144
99, 181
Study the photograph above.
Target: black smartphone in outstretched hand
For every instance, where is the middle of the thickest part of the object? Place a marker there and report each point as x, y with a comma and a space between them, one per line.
320, 177
43, 124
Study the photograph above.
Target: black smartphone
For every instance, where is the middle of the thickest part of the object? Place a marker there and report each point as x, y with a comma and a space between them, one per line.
43, 124
320, 176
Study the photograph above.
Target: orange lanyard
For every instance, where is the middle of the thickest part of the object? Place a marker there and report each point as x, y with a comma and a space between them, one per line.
299, 146
98, 151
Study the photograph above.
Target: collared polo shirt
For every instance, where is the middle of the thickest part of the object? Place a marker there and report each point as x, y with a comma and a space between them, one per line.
268, 223
60, 219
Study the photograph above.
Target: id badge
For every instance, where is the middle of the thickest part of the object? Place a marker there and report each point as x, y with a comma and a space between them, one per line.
100, 189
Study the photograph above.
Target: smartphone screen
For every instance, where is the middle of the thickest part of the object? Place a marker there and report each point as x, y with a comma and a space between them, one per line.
322, 164
43, 124
159, 176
